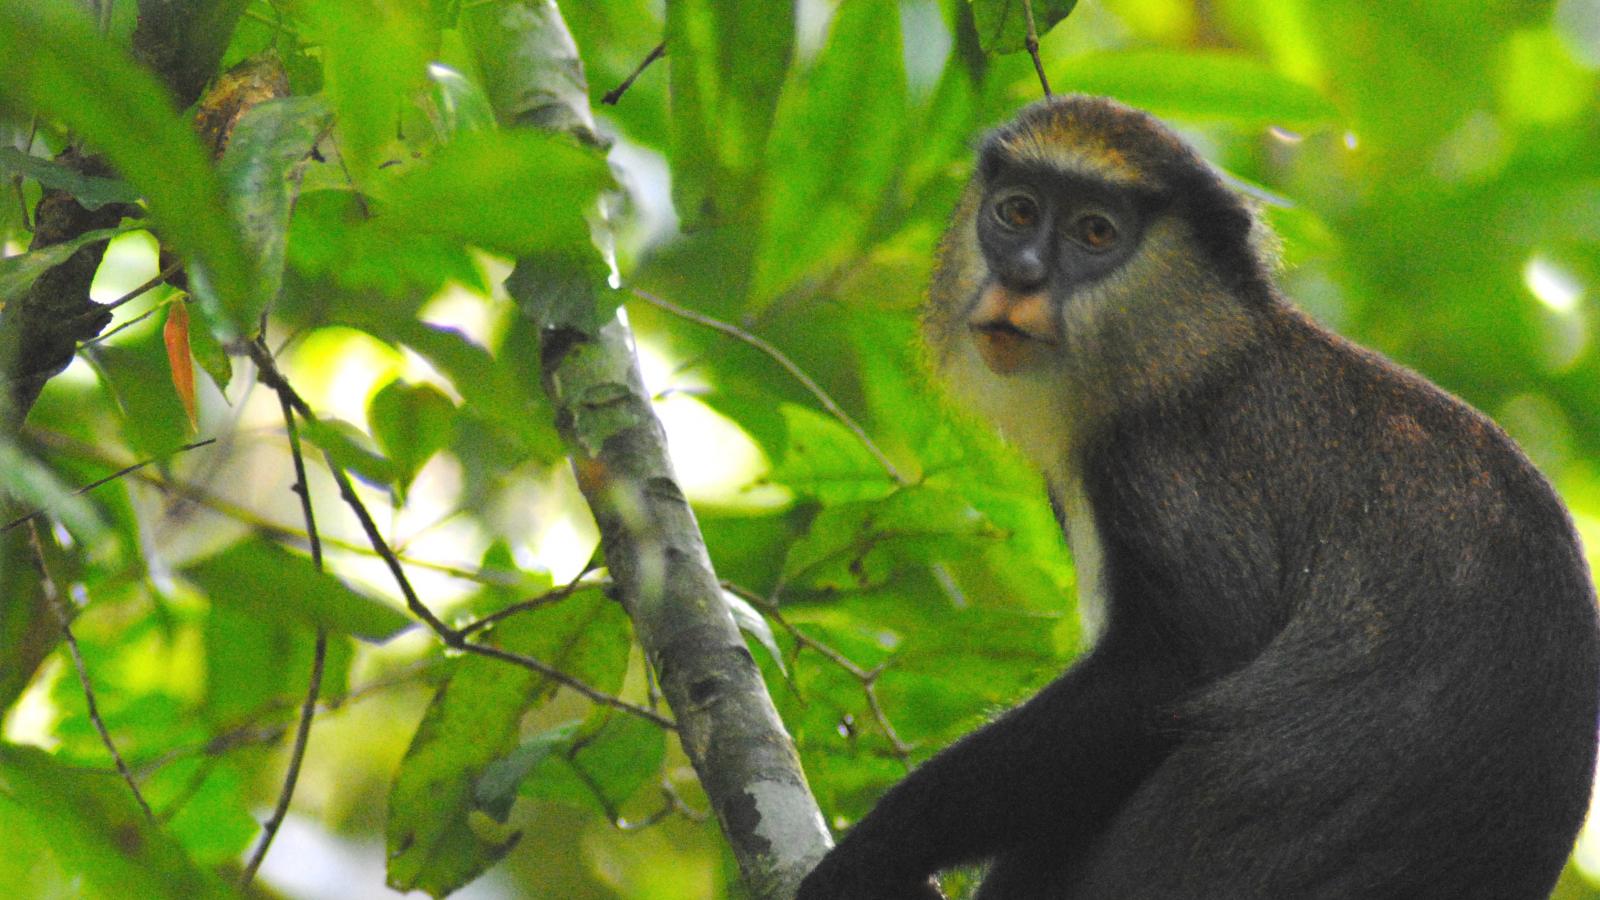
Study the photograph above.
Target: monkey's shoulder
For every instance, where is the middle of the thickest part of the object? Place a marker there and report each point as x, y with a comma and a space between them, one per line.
1391, 419
1308, 426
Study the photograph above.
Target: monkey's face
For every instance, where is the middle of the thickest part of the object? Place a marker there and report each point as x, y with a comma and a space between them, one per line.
1095, 262
1045, 237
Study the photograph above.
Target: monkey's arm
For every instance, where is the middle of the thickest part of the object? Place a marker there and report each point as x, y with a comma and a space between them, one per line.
1050, 770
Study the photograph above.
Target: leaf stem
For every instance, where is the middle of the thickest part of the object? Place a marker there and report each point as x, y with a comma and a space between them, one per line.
156, 281
319, 654
788, 365
615, 94
101, 482
1032, 43
58, 605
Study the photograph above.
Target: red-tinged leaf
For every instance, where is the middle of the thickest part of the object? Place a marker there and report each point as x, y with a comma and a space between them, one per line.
176, 335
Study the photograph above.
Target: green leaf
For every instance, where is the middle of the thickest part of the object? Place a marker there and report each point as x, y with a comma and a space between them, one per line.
214, 823
498, 786
514, 192
17, 273
457, 105
753, 623
375, 56
1003, 24
331, 236
442, 832
137, 374
30, 627
833, 149
1194, 85
411, 422
602, 765
824, 459
247, 662
52, 62
352, 450
514, 406
33, 486
91, 191
261, 578
864, 544
208, 351
97, 838
727, 66
261, 173
962, 456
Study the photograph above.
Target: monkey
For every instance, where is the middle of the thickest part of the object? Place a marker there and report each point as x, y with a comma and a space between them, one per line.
1345, 640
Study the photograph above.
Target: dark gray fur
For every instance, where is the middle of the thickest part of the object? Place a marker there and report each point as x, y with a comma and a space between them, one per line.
1351, 649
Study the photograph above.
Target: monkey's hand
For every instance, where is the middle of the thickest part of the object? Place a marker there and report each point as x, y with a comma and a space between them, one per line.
837, 879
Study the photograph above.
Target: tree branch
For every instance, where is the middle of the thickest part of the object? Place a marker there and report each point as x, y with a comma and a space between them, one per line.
615, 94
319, 655
267, 371
58, 604
653, 548
101, 482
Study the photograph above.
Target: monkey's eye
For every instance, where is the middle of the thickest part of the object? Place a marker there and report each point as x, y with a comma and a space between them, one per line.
1096, 232
1017, 212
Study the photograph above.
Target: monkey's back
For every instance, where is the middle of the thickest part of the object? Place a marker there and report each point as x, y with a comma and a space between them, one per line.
1390, 611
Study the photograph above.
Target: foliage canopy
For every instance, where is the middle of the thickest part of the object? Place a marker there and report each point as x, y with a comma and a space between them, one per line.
1432, 167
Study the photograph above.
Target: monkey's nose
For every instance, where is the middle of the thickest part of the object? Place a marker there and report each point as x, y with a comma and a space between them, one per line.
1011, 327
1025, 269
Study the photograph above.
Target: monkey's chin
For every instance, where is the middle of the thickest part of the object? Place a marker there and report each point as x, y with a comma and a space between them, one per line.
1006, 352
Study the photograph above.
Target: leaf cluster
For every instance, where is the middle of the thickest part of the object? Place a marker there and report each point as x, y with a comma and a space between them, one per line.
1431, 169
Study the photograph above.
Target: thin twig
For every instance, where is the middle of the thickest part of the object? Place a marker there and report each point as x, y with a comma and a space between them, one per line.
267, 371
615, 94
125, 470
58, 605
104, 336
556, 675
319, 655
680, 805
250, 732
545, 599
1032, 43
99, 723
278, 23
193, 493
301, 487
788, 365
870, 688
867, 677
297, 753
355, 191
159, 279
190, 790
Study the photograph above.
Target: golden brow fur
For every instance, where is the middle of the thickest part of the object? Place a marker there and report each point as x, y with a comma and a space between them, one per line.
1143, 332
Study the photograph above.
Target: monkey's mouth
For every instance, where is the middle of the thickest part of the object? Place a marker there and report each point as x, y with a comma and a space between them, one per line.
1000, 329
1012, 329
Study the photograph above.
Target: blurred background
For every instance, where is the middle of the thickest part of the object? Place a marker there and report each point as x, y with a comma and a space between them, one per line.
1432, 168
